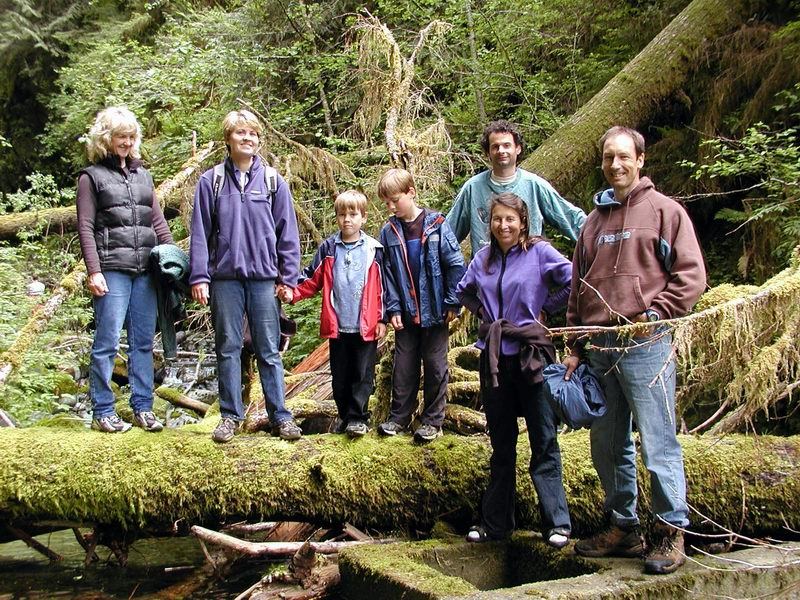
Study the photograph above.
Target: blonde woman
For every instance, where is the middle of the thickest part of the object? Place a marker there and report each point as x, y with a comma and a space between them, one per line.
119, 222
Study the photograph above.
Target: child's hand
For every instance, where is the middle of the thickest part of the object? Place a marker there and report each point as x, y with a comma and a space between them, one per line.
380, 330
284, 293
396, 322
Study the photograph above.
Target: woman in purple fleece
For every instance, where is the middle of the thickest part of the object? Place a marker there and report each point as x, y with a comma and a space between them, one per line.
507, 285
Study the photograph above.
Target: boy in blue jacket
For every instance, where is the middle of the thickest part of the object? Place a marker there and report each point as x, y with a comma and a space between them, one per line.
422, 265
348, 269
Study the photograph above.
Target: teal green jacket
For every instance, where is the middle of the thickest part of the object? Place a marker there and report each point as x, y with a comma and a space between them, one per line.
470, 212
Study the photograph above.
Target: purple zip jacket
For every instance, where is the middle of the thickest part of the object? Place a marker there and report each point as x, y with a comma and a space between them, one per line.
515, 287
257, 236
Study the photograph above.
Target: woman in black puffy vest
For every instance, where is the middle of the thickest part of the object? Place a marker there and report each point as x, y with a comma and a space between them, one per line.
119, 222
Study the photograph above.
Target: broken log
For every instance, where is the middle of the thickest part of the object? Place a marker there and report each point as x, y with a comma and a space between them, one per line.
176, 398
638, 91
267, 549
144, 481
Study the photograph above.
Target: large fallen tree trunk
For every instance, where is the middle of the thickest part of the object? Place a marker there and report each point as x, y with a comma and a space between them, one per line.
141, 480
639, 90
64, 218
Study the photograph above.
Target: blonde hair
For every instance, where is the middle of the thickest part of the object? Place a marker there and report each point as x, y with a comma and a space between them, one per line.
394, 181
238, 118
350, 200
111, 121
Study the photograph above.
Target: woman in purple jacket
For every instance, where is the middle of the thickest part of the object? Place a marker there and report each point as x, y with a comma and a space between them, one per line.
507, 285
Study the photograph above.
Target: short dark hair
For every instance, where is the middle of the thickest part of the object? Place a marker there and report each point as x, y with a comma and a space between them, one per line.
638, 138
501, 126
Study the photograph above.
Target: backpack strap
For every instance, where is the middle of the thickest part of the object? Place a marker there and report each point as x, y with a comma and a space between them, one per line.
271, 180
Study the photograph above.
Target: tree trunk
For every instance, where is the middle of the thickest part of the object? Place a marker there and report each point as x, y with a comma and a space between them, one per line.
637, 92
152, 481
65, 218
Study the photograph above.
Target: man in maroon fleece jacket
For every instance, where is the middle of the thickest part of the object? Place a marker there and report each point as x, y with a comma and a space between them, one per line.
637, 260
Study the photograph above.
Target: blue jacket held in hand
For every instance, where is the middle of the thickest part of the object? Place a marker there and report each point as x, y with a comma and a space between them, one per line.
578, 401
441, 268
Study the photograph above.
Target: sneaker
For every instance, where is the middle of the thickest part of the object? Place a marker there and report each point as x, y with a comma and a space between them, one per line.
390, 428
356, 429
148, 421
110, 424
225, 431
612, 541
427, 433
667, 553
287, 430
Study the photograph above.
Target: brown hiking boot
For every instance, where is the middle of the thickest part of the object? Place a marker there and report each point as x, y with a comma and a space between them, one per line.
666, 554
612, 541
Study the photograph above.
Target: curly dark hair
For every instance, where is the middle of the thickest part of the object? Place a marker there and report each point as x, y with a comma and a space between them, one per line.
502, 126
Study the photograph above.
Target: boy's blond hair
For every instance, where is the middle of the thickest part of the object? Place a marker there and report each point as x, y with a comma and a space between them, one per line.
395, 181
350, 200
111, 121
237, 118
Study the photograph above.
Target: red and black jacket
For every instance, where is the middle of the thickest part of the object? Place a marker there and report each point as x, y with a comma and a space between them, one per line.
319, 276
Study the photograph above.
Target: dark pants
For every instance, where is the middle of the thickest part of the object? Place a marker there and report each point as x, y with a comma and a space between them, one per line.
413, 344
514, 397
353, 375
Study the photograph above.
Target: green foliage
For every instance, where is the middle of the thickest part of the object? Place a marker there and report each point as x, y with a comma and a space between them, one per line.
42, 193
765, 163
31, 391
306, 314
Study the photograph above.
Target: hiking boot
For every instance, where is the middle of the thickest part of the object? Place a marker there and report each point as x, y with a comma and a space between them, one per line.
666, 554
612, 541
339, 426
225, 431
427, 433
147, 420
390, 428
356, 429
110, 424
287, 430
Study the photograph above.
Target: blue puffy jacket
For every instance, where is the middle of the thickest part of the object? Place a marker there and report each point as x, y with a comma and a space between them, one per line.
441, 268
577, 402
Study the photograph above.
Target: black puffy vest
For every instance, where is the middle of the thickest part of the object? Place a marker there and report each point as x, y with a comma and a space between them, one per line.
123, 224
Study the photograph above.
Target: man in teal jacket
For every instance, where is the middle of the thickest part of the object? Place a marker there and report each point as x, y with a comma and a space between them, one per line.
502, 141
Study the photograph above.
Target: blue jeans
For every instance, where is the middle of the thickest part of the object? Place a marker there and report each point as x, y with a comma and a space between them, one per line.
130, 301
638, 379
230, 299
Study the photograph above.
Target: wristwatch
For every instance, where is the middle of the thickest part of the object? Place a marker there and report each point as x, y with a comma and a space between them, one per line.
652, 315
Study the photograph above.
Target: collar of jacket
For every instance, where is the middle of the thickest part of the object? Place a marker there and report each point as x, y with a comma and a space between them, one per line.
430, 222
606, 199
112, 162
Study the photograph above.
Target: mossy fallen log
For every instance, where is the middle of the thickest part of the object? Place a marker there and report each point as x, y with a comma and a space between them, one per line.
152, 481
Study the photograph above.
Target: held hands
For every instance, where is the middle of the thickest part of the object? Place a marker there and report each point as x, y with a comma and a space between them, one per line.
284, 293
97, 285
449, 315
200, 293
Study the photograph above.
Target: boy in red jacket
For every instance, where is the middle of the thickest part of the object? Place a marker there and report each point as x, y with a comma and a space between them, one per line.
348, 269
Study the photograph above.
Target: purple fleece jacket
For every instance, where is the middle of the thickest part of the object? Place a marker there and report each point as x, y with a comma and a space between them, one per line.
516, 287
258, 237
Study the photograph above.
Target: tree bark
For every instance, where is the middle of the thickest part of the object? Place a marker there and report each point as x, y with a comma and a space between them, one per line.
65, 218
637, 92
141, 480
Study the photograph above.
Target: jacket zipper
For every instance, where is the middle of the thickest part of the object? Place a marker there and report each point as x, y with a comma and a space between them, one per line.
418, 317
135, 222
500, 286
